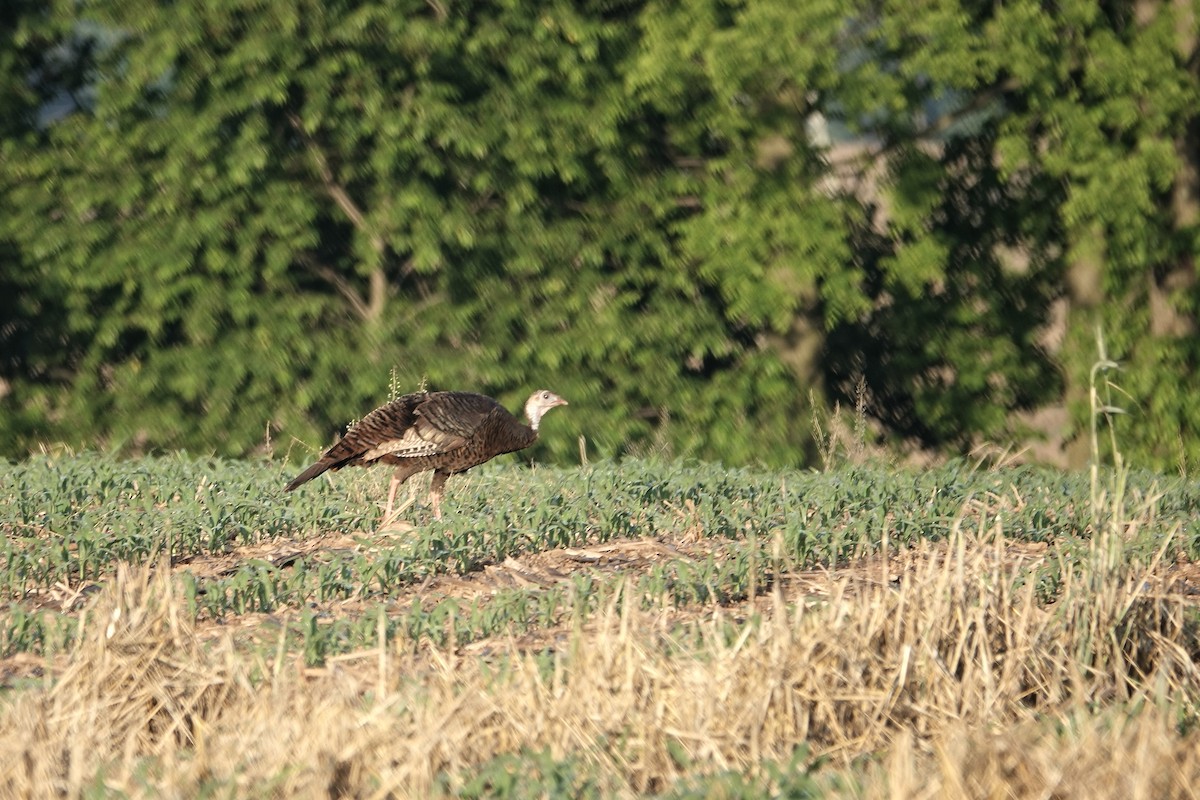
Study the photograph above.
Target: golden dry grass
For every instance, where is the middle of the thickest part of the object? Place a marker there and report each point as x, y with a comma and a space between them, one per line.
1114, 756
948, 671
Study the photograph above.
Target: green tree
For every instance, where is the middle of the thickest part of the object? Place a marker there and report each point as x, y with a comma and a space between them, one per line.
43, 67
962, 264
1039, 176
265, 209
1114, 123
242, 216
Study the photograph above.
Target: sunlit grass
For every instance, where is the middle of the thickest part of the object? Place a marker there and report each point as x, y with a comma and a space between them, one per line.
69, 521
955, 596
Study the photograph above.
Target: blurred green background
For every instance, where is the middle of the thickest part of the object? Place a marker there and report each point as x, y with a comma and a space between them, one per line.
232, 225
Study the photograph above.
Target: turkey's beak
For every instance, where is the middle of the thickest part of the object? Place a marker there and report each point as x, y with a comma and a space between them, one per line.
558, 401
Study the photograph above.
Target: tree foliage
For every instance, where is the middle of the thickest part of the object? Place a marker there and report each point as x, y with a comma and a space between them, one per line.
227, 219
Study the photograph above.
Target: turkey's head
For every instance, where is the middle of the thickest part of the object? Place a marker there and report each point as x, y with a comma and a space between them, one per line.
539, 403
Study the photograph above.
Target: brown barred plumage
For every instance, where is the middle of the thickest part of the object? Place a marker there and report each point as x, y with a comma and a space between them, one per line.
447, 432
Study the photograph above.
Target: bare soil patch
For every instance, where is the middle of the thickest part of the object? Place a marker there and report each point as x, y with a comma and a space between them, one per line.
556, 568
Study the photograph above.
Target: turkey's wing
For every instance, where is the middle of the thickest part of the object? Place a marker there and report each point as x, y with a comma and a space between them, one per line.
453, 417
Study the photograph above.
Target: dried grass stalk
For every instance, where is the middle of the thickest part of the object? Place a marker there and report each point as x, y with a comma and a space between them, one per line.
951, 672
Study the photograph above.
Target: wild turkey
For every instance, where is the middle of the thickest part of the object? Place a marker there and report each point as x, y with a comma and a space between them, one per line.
447, 432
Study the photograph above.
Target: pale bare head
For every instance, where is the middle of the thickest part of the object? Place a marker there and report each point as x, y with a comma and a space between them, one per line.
539, 403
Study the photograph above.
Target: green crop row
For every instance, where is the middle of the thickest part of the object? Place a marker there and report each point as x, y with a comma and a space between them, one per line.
69, 521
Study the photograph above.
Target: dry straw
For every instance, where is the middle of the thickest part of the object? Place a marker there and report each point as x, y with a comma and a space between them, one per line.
943, 661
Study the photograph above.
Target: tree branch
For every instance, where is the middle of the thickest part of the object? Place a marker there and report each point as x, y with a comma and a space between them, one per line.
371, 309
378, 294
361, 307
335, 189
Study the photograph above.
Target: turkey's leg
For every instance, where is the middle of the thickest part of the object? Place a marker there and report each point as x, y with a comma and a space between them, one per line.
390, 512
435, 491
395, 484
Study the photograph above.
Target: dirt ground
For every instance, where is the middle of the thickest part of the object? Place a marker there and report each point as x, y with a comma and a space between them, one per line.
628, 557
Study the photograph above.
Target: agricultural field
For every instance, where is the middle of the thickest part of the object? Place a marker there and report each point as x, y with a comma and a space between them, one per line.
180, 626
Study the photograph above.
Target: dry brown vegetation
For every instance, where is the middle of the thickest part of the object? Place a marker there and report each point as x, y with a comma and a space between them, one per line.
948, 666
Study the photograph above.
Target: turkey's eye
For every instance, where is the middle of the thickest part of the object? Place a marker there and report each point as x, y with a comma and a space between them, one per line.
545, 395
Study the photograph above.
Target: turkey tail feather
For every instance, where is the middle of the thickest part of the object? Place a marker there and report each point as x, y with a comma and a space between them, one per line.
310, 473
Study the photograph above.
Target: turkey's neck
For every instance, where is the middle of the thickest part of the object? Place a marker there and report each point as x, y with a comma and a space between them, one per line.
531, 433
522, 435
